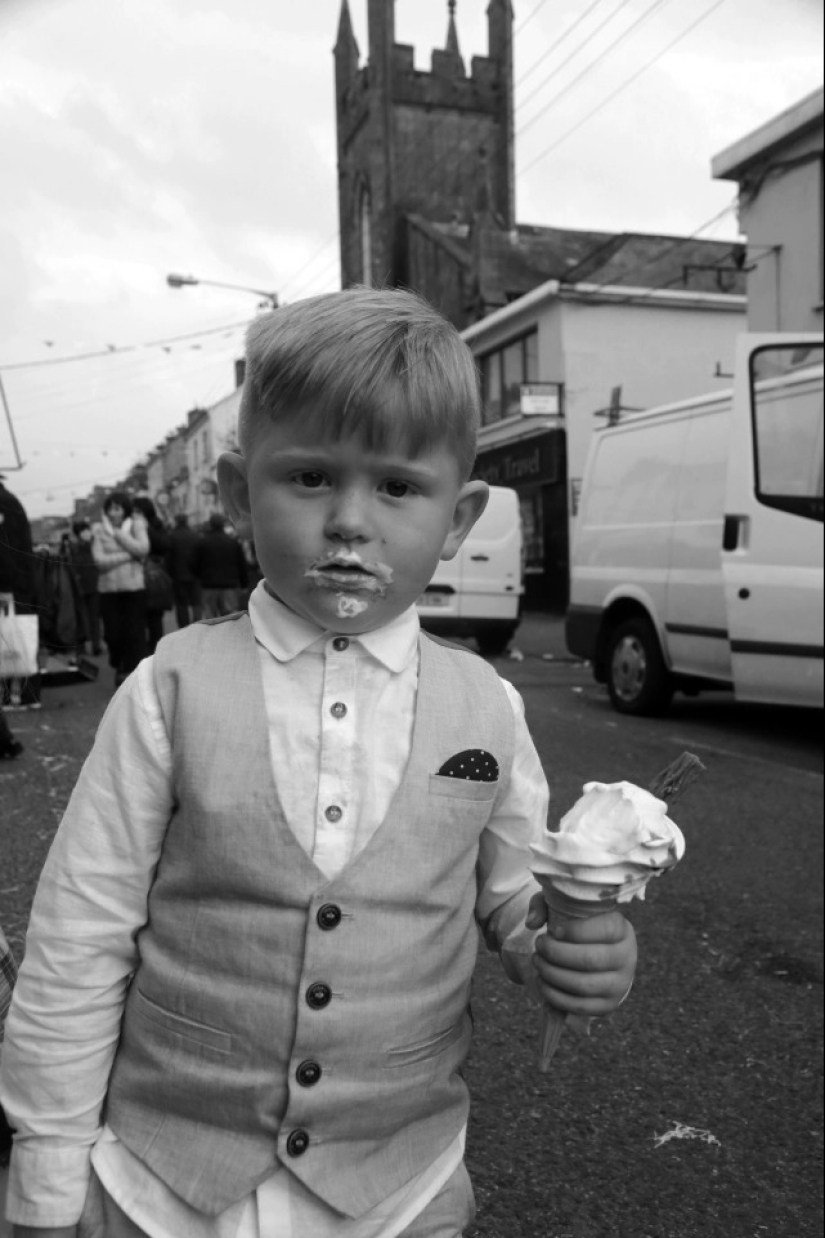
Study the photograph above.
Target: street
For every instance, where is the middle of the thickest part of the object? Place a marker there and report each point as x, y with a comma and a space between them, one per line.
695, 1110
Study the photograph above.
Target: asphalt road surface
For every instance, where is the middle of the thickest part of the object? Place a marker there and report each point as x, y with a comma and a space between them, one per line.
696, 1110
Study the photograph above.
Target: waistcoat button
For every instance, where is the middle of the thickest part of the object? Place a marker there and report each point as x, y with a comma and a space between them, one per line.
340, 644
329, 917
297, 1143
339, 710
308, 1074
318, 996
333, 813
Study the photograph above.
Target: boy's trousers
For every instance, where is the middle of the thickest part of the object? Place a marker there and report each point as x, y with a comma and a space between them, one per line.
445, 1217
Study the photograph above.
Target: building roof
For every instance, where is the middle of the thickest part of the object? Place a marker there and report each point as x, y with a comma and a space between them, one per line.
731, 163
510, 264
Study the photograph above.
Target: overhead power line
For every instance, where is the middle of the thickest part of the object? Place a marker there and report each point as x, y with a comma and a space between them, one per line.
657, 4
613, 94
572, 55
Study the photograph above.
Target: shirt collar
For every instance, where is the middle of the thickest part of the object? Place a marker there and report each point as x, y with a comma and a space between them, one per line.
287, 635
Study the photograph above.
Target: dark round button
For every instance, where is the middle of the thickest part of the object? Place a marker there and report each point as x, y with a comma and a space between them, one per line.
339, 710
318, 996
333, 813
329, 917
340, 644
308, 1074
297, 1143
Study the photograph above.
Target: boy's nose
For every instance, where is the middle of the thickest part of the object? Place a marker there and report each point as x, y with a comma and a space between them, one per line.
348, 518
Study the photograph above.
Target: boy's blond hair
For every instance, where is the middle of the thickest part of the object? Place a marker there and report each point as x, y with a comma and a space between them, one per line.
380, 363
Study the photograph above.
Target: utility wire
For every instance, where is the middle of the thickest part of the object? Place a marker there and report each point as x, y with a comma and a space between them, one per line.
594, 63
531, 15
613, 94
579, 47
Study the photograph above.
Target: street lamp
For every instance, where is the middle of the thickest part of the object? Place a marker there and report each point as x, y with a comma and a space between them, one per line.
180, 281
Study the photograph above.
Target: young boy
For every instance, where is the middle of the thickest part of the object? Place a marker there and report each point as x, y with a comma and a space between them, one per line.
243, 1008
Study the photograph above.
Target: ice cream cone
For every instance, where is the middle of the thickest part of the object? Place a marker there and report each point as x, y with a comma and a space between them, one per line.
560, 908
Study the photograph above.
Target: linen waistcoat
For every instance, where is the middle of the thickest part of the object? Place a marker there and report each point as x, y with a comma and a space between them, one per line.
277, 1016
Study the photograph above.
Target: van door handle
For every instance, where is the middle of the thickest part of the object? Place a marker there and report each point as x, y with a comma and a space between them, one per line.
480, 558
734, 525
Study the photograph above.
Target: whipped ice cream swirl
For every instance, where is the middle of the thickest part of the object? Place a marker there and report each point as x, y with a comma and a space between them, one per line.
609, 845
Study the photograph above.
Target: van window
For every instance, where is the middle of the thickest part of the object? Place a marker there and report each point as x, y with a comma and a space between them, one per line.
786, 385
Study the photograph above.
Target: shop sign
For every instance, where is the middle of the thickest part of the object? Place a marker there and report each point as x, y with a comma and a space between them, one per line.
541, 400
535, 461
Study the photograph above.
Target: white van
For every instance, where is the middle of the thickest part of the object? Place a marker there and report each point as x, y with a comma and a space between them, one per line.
697, 559
478, 593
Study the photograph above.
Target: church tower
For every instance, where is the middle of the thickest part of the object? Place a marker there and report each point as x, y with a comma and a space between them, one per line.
437, 144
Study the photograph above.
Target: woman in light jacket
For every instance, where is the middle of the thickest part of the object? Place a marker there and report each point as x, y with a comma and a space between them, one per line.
120, 544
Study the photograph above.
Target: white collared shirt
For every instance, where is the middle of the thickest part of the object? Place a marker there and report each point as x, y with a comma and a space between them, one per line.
340, 721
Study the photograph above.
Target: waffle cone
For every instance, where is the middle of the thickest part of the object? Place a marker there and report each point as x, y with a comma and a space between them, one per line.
561, 907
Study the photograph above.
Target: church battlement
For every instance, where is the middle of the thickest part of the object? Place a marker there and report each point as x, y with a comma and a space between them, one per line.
438, 142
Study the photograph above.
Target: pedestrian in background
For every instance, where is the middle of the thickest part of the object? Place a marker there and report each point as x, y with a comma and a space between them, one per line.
16, 539
9, 746
120, 543
79, 550
180, 564
159, 597
8, 974
220, 565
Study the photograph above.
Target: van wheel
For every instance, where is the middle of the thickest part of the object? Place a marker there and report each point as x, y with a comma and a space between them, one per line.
637, 679
493, 642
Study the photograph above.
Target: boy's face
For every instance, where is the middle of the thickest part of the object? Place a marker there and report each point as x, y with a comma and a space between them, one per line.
347, 536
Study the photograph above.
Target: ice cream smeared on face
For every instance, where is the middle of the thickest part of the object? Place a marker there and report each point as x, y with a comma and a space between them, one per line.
609, 845
345, 572
349, 607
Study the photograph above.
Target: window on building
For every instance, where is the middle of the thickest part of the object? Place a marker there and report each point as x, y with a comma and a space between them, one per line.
194, 453
502, 373
205, 442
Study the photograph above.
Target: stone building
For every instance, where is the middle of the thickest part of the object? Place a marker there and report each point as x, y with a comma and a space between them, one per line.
427, 183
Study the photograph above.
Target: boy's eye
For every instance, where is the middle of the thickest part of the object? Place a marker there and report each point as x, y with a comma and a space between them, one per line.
310, 479
397, 489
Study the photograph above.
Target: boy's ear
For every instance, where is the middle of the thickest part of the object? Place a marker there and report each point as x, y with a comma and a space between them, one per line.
234, 490
471, 501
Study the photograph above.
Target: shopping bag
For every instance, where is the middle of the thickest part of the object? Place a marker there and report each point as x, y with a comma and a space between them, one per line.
159, 593
18, 645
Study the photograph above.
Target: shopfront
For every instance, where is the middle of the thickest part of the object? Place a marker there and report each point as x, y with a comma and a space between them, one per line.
536, 468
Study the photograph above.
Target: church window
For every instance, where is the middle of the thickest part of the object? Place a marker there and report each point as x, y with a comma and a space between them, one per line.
365, 221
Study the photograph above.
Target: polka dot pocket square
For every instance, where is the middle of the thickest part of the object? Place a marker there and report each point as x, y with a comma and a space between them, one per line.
473, 765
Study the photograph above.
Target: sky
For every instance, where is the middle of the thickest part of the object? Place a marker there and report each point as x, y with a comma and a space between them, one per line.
140, 138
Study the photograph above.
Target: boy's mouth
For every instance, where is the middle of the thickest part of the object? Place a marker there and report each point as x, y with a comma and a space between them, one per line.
346, 570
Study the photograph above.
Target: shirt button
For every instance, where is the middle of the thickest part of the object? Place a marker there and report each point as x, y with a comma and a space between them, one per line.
334, 813
329, 917
308, 1074
318, 996
339, 710
340, 644
297, 1143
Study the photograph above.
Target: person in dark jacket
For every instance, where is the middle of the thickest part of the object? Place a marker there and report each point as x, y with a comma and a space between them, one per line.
156, 604
16, 536
19, 569
79, 553
180, 564
220, 565
9, 746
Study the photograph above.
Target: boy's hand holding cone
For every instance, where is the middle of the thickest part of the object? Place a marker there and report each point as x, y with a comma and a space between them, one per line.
614, 839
